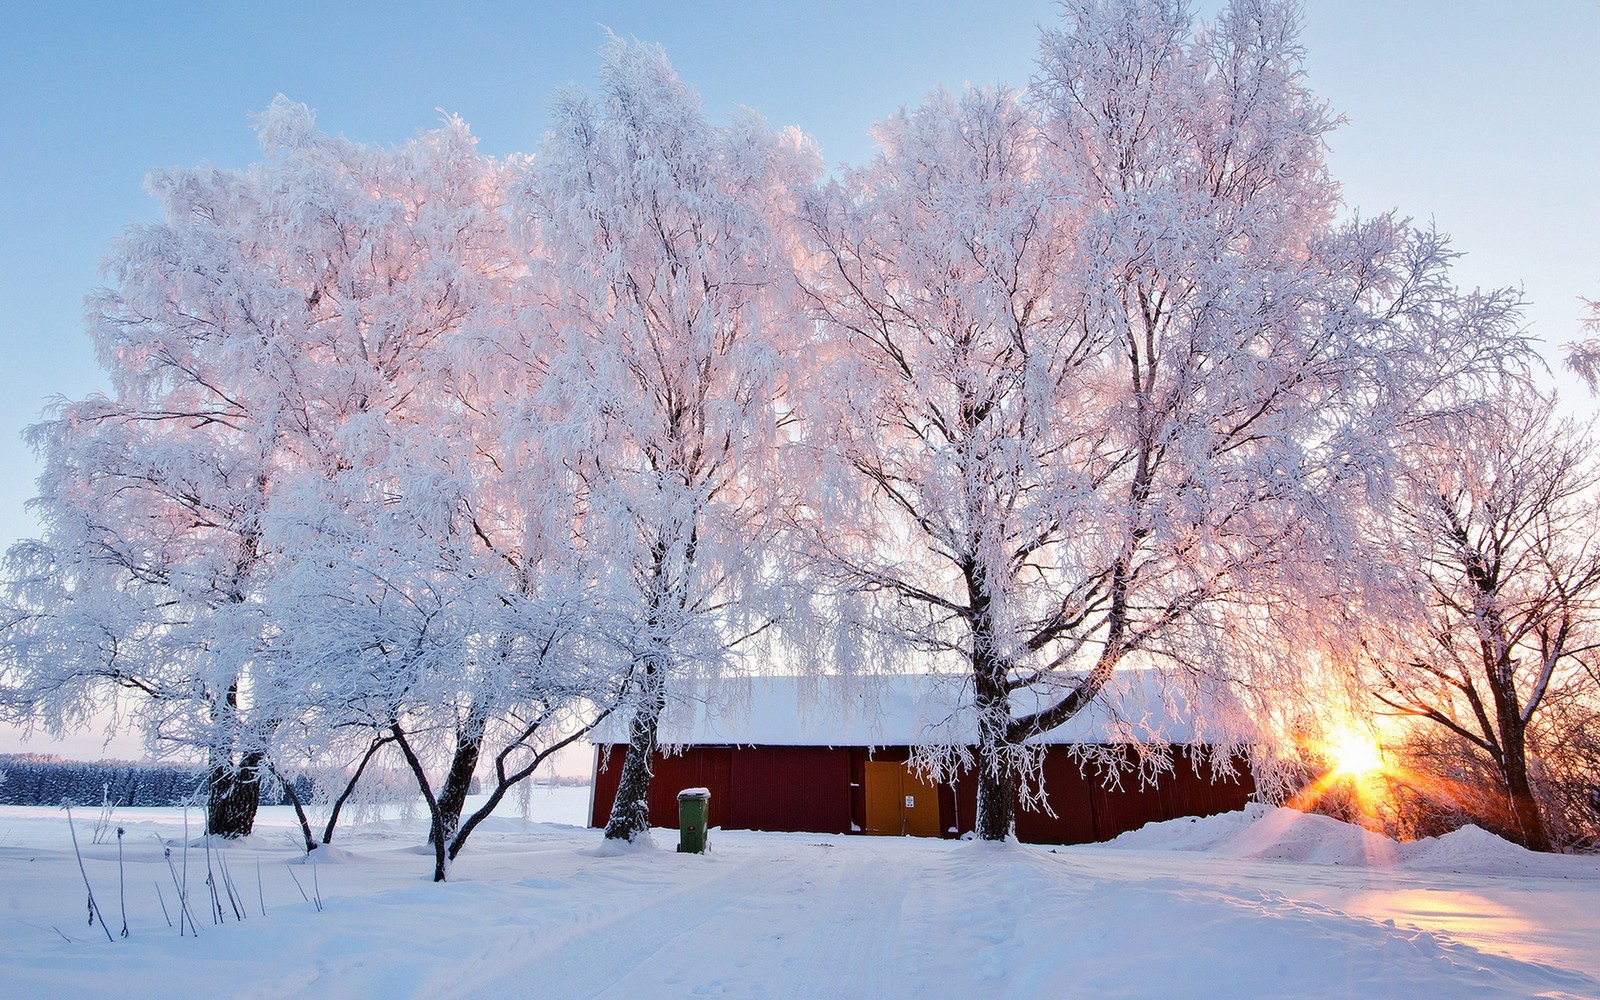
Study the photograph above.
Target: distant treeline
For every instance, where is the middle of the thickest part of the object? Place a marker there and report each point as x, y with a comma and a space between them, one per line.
37, 780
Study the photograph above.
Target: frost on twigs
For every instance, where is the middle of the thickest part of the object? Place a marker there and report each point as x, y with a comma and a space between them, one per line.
285, 125
1583, 356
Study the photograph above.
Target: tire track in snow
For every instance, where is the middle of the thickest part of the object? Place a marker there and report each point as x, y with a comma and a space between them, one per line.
827, 924
855, 950
588, 955
809, 924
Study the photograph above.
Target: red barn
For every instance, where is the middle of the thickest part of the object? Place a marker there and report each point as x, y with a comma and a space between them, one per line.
788, 754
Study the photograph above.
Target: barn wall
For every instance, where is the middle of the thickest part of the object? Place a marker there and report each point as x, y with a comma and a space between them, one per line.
1071, 800
790, 788
607, 773
819, 789
1127, 806
1197, 791
1088, 810
962, 803
694, 767
1085, 811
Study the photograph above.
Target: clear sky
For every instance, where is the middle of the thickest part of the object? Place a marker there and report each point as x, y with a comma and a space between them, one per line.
1480, 115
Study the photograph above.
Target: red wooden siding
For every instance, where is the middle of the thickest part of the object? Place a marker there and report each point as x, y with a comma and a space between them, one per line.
1086, 810
1071, 799
790, 788
696, 767
819, 790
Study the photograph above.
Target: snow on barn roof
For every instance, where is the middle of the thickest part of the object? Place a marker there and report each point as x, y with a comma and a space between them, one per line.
894, 710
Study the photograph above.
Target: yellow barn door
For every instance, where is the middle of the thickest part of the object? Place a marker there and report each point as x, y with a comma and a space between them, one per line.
899, 801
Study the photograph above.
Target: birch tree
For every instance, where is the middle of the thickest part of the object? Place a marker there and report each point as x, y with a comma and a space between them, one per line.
1497, 619
673, 282
154, 498
1109, 371
942, 414
442, 604
262, 342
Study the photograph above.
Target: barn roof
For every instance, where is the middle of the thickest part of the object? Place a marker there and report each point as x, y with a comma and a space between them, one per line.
895, 710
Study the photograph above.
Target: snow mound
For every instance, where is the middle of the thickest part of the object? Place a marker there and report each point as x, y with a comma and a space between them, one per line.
327, 854
1474, 849
1190, 833
643, 843
1266, 833
1280, 834
1290, 835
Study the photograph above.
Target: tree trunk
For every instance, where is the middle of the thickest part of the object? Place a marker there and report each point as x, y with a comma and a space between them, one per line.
1525, 813
997, 778
350, 787
441, 863
232, 795
997, 797
232, 791
630, 811
997, 774
1526, 820
299, 808
453, 796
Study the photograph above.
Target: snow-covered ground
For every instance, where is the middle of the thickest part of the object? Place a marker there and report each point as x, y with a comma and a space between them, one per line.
1266, 903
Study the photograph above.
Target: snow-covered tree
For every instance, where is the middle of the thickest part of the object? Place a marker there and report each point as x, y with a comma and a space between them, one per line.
1108, 370
277, 335
1495, 622
437, 600
454, 621
943, 411
1583, 356
153, 498
671, 278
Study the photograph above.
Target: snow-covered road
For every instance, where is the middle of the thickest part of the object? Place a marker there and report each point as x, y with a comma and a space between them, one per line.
542, 911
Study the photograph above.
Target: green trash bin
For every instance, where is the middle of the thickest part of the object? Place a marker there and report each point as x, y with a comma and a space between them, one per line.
694, 806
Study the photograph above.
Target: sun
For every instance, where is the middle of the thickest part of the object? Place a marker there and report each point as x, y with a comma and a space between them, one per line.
1354, 753
1350, 779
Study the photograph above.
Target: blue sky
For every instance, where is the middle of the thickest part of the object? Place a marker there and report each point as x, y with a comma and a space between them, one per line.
1482, 116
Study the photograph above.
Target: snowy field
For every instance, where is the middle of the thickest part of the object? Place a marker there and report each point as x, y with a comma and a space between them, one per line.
1260, 904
